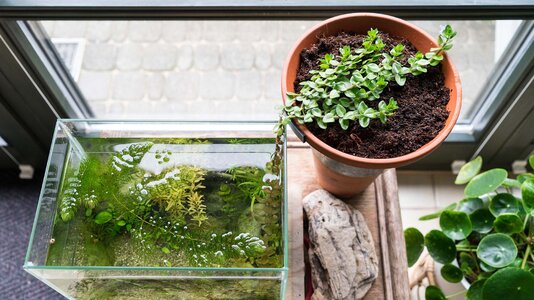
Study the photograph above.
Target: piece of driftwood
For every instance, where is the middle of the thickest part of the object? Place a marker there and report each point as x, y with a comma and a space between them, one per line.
342, 255
379, 206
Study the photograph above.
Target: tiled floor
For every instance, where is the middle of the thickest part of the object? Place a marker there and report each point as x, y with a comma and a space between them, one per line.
421, 193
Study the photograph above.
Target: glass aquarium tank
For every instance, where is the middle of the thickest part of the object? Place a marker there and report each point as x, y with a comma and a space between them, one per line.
162, 210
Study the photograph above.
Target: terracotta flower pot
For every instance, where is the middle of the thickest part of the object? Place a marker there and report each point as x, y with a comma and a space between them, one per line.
343, 174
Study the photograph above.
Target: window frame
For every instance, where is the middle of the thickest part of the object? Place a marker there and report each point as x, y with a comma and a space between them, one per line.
467, 140
266, 9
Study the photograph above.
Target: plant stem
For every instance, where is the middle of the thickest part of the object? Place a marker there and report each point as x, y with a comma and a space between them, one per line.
456, 294
467, 250
526, 221
527, 253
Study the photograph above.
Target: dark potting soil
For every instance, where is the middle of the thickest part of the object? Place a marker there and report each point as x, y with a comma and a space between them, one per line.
422, 105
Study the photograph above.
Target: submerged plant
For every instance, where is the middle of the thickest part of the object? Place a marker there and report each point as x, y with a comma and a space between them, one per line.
344, 85
490, 234
177, 191
167, 215
94, 180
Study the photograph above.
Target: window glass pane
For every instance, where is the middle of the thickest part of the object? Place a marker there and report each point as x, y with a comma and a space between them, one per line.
178, 69
477, 48
223, 69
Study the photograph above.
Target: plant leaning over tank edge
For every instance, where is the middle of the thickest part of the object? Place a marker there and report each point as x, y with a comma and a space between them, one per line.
339, 90
490, 233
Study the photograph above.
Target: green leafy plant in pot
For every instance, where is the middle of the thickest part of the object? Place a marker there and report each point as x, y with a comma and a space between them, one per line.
350, 77
489, 234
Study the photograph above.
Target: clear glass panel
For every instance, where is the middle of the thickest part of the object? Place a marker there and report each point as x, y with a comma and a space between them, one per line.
184, 70
478, 47
227, 70
107, 182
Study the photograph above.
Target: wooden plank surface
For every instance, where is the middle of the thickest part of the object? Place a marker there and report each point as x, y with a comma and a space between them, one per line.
378, 204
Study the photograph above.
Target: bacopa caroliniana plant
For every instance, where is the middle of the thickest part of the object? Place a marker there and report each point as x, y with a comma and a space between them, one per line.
340, 90
490, 234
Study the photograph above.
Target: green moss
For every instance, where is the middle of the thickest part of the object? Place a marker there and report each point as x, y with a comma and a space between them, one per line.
118, 289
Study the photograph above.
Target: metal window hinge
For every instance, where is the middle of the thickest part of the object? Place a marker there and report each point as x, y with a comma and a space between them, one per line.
456, 165
519, 166
26, 172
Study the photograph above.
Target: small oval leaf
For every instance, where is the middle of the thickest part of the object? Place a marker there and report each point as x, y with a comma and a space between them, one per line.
482, 220
469, 170
508, 223
469, 205
524, 177
504, 203
452, 273
103, 217
455, 224
415, 243
485, 183
497, 250
475, 290
527, 193
440, 247
433, 292
509, 283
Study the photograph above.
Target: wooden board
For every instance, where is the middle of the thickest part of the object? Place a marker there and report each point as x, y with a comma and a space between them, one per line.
379, 205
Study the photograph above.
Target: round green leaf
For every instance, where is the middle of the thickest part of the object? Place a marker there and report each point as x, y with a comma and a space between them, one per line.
485, 182
433, 292
469, 170
121, 223
165, 250
440, 247
452, 273
103, 217
475, 290
508, 223
504, 203
527, 193
517, 262
485, 267
415, 243
524, 177
467, 261
531, 161
512, 183
469, 205
482, 220
509, 283
497, 250
455, 224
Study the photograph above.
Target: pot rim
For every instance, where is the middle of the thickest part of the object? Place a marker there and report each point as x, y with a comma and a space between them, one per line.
375, 163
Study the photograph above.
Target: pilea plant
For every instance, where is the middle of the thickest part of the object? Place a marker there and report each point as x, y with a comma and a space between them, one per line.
344, 85
489, 233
